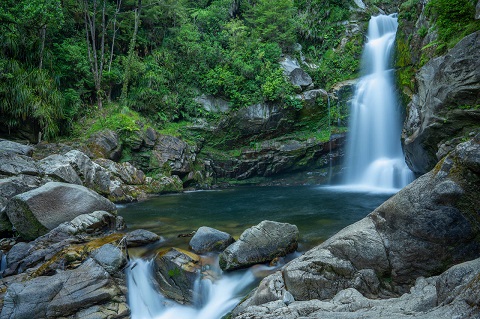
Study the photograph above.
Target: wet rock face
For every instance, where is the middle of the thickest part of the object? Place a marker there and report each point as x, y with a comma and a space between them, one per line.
176, 271
35, 212
421, 231
445, 109
259, 244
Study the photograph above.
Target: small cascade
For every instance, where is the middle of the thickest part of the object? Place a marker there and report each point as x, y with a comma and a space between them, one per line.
215, 299
374, 153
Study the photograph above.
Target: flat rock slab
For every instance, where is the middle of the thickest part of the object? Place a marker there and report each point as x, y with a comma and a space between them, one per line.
259, 244
36, 212
17, 148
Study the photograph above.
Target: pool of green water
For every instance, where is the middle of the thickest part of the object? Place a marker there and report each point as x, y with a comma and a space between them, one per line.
318, 212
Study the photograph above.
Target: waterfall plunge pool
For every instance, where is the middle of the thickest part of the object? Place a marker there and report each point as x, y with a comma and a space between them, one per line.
318, 211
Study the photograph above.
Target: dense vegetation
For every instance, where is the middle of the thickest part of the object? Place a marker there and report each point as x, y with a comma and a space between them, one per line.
63, 60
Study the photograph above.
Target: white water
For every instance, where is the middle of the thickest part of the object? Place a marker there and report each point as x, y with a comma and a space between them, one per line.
374, 154
217, 298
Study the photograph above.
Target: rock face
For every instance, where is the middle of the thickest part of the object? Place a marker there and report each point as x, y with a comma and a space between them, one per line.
208, 239
273, 157
446, 108
173, 153
63, 294
105, 144
35, 212
424, 229
259, 244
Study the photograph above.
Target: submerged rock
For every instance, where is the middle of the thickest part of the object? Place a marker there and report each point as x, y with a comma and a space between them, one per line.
259, 244
35, 212
207, 239
141, 237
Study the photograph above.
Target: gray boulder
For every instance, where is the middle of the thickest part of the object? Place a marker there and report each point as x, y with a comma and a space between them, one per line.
15, 164
36, 212
23, 256
141, 237
92, 175
128, 173
297, 76
207, 239
63, 294
58, 167
110, 258
445, 108
259, 244
17, 148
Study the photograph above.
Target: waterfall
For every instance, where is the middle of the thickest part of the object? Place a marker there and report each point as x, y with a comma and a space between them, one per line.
374, 154
216, 298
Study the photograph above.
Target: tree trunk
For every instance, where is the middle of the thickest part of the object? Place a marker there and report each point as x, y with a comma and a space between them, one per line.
43, 33
131, 50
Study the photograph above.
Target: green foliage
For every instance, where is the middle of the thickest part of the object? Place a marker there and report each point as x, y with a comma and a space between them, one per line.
337, 66
29, 96
273, 21
454, 20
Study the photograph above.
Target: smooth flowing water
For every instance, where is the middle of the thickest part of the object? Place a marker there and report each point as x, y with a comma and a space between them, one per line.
318, 212
374, 153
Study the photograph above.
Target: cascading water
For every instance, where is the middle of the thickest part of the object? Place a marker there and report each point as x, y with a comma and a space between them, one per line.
374, 154
218, 298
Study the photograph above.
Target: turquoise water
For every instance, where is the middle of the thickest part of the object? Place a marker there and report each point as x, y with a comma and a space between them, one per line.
318, 212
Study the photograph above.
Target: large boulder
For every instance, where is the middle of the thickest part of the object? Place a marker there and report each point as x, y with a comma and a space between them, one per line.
35, 212
141, 237
424, 229
10, 187
259, 244
207, 239
213, 104
445, 109
65, 244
